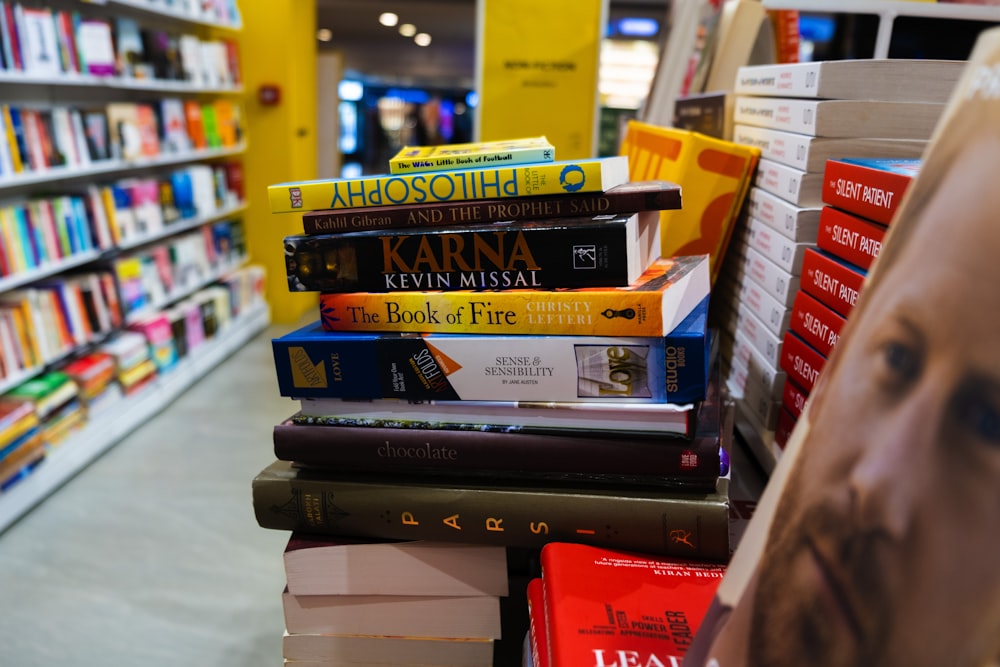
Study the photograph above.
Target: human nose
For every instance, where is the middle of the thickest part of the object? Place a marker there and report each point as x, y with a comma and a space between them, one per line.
886, 479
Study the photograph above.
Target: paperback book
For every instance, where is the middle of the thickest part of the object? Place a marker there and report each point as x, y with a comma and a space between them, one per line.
474, 154
313, 363
870, 187
654, 305
569, 252
839, 118
630, 197
561, 177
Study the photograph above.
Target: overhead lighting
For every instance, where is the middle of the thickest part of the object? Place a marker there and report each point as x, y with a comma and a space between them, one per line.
324, 34
350, 90
422, 39
388, 19
407, 30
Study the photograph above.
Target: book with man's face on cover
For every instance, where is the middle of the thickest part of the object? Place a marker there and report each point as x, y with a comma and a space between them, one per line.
875, 542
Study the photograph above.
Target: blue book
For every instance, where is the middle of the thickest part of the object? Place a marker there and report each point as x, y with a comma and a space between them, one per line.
313, 363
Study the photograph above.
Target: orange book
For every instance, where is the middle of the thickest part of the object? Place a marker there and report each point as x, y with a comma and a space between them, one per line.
714, 175
195, 124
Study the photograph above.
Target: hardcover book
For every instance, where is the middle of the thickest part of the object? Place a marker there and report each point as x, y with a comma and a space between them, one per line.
631, 197
569, 252
470, 155
656, 520
606, 455
613, 607
320, 565
652, 306
876, 525
562, 177
850, 237
839, 118
832, 281
870, 187
891, 79
314, 363
817, 324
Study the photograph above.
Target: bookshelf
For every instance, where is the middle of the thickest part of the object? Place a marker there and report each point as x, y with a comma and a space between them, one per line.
85, 193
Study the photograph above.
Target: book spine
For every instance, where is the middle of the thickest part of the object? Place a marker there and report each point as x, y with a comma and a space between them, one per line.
801, 362
789, 148
643, 311
816, 323
831, 281
849, 237
869, 192
632, 197
656, 522
776, 282
796, 223
786, 254
560, 368
578, 253
669, 460
774, 315
409, 165
802, 80
593, 175
783, 430
751, 368
793, 399
766, 342
787, 114
798, 187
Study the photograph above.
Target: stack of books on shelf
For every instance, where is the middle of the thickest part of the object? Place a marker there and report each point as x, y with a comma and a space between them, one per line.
802, 116
501, 357
599, 606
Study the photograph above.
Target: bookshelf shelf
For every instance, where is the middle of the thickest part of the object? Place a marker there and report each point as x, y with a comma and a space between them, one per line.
91, 81
148, 8
85, 445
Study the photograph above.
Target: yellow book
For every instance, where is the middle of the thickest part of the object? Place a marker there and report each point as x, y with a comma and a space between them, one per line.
11, 139
654, 305
412, 159
567, 176
714, 176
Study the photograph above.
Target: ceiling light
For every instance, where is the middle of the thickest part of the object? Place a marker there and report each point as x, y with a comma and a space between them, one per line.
324, 34
407, 30
388, 19
422, 39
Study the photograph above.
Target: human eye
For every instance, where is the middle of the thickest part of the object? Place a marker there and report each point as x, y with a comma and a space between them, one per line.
979, 415
900, 362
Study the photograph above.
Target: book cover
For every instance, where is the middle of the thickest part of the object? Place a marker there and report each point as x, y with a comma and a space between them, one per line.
811, 153
631, 197
890, 79
850, 237
569, 252
603, 456
561, 177
801, 361
611, 607
313, 363
839, 118
793, 399
817, 324
470, 155
831, 281
714, 175
350, 503
320, 565
653, 306
870, 187
39, 46
95, 45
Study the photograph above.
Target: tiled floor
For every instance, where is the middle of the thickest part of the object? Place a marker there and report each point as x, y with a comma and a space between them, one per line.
151, 556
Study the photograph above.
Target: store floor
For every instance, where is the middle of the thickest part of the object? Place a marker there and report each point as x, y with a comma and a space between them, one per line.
151, 555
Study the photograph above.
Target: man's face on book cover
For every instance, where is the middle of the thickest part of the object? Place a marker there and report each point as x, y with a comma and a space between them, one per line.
885, 548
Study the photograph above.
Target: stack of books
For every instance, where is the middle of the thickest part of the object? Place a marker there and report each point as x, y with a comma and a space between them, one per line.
501, 358
801, 116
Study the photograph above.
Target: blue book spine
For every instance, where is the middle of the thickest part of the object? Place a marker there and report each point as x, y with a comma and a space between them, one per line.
312, 363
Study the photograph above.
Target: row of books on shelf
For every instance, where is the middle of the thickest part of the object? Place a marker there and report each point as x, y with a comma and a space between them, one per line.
36, 139
50, 318
44, 42
44, 231
39, 414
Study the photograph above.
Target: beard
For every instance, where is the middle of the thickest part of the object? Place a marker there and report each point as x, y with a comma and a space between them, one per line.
790, 626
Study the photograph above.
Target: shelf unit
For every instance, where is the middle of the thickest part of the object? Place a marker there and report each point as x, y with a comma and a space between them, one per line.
18, 88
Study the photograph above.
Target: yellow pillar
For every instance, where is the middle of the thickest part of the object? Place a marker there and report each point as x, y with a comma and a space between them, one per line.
278, 47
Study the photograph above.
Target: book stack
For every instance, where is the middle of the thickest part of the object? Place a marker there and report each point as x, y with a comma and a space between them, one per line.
860, 197
502, 357
599, 606
802, 115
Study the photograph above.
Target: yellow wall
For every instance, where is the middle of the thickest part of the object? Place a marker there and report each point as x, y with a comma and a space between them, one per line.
278, 46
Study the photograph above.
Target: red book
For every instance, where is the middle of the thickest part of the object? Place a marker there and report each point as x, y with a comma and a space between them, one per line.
801, 362
869, 187
849, 237
783, 431
610, 607
793, 398
816, 323
538, 638
832, 281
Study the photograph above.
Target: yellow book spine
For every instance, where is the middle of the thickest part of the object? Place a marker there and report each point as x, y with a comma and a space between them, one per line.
592, 175
11, 139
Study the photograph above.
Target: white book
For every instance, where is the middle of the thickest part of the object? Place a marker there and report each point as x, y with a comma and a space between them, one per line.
839, 118
781, 250
39, 45
798, 187
798, 223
